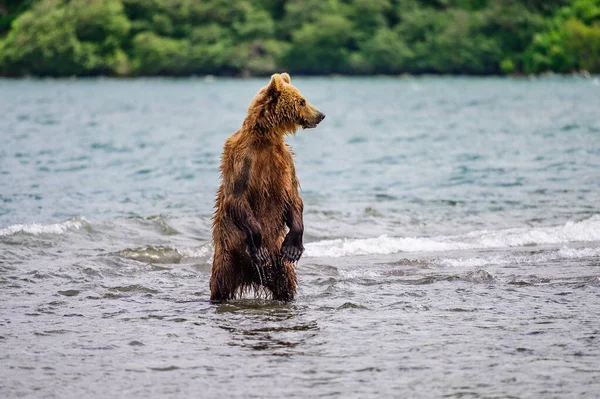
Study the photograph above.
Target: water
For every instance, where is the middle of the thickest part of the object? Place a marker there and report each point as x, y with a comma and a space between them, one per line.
452, 230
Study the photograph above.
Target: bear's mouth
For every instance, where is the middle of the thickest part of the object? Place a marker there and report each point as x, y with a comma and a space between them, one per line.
312, 123
308, 125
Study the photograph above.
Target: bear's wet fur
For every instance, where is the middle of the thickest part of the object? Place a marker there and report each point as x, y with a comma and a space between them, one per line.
257, 225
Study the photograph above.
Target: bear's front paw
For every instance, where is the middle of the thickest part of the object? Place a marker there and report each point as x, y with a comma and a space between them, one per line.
260, 256
292, 253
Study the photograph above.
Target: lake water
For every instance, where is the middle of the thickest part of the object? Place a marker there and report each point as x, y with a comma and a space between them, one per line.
452, 242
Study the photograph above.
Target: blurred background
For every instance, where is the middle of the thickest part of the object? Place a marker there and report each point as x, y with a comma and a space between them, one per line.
312, 37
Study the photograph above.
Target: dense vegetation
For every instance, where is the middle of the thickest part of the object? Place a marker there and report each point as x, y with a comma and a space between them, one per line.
257, 37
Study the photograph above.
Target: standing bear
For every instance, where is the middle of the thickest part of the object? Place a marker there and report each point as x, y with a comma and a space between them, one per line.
257, 225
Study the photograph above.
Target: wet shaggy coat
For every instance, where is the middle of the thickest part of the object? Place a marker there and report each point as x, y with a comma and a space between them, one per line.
257, 225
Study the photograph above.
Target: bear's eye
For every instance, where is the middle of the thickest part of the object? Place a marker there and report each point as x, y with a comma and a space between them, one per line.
303, 102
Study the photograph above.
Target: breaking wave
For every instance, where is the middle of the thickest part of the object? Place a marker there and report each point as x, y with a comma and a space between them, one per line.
587, 230
583, 231
517, 259
165, 254
42, 229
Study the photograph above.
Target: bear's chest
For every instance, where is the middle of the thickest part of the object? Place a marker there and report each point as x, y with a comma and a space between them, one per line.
271, 174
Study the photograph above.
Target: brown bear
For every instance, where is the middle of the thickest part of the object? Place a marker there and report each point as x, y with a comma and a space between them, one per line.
257, 225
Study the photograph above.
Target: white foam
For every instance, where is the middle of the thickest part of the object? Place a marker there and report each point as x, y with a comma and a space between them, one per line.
360, 273
573, 253
382, 245
39, 229
204, 251
584, 231
546, 256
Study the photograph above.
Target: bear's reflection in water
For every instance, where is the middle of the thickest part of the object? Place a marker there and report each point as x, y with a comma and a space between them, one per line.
263, 325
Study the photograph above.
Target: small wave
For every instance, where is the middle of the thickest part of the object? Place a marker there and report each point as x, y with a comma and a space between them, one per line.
40, 229
159, 222
164, 254
541, 257
572, 253
152, 254
382, 245
197, 252
584, 231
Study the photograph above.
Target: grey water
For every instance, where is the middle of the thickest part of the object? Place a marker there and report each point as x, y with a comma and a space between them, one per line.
452, 241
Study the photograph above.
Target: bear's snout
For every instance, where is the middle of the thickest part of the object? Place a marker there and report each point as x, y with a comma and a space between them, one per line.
313, 120
317, 119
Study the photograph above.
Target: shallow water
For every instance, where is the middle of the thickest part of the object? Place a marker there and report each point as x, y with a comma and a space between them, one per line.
452, 242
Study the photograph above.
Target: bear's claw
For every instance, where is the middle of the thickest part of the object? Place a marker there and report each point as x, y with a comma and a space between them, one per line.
261, 257
291, 253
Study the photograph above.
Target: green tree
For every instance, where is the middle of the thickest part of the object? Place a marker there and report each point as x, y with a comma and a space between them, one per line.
368, 16
302, 12
584, 43
67, 38
386, 52
321, 47
570, 42
153, 54
9, 10
250, 37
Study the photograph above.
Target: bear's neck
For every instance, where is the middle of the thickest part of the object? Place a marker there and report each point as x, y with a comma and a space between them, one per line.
262, 130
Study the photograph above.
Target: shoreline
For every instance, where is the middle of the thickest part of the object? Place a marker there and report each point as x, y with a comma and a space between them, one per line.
210, 78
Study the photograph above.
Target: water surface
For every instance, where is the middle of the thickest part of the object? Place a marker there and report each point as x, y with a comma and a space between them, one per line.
452, 242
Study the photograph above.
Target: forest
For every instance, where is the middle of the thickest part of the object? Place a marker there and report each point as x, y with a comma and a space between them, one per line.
309, 37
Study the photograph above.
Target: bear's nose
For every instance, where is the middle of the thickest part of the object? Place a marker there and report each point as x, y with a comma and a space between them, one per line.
321, 116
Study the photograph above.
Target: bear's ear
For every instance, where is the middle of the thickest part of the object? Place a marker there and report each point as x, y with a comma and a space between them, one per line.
286, 77
276, 83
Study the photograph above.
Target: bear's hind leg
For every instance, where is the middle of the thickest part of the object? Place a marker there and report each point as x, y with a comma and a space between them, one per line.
225, 279
254, 278
283, 281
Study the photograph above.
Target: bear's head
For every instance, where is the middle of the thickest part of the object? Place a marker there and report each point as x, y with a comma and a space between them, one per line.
279, 106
